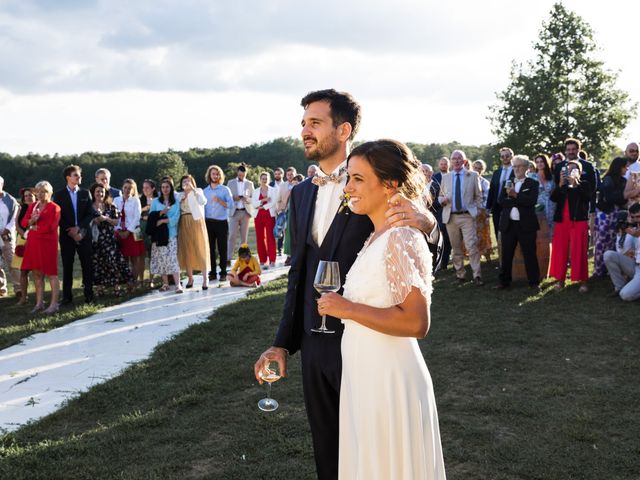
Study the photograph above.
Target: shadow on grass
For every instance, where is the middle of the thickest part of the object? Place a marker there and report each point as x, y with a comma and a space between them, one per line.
528, 387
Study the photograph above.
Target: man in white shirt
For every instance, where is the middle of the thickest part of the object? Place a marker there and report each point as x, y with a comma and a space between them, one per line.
9, 209
624, 263
241, 209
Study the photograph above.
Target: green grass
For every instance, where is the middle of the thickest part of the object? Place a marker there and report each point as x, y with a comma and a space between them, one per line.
528, 387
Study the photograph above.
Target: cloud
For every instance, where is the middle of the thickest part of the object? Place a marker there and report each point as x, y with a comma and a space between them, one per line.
269, 45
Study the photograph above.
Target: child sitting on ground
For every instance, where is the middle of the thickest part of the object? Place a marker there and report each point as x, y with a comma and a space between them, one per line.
246, 271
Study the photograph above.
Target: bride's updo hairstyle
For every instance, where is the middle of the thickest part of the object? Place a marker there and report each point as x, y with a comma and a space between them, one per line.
393, 161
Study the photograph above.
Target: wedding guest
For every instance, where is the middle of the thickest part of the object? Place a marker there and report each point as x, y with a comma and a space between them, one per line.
149, 192
295, 180
460, 197
631, 153
498, 180
545, 179
41, 250
193, 241
110, 267
265, 207
611, 198
27, 197
241, 209
556, 159
216, 214
282, 206
282, 209
103, 177
76, 213
483, 222
436, 208
623, 263
519, 224
278, 178
164, 258
571, 227
246, 270
312, 170
128, 228
9, 209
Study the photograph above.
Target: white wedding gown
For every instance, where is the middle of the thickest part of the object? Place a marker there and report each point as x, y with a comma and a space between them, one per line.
388, 418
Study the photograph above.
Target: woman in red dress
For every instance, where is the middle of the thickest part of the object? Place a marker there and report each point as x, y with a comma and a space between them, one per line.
128, 231
264, 201
41, 249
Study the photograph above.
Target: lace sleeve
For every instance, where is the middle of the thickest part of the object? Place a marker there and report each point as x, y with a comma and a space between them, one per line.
407, 264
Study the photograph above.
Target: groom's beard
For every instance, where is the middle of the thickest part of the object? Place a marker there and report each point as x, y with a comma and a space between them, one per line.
323, 149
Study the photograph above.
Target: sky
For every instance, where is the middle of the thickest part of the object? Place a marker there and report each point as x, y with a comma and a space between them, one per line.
152, 75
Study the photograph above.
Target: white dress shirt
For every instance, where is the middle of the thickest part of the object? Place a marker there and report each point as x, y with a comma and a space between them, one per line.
515, 213
240, 192
327, 204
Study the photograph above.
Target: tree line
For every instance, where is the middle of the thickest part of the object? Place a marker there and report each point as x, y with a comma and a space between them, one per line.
26, 170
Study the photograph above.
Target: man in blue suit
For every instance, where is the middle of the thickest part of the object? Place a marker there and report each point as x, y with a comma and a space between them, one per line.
323, 228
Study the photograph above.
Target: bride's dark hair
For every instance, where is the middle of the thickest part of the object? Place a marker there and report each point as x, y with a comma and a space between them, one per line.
394, 161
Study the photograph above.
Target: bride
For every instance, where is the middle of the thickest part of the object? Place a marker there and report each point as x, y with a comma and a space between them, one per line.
388, 417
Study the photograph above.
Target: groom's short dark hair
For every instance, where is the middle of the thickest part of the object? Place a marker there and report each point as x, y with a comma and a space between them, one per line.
344, 107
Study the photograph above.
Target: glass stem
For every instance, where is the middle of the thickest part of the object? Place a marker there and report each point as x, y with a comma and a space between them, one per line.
269, 392
324, 322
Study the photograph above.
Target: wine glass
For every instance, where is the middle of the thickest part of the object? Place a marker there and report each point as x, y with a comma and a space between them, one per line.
269, 374
327, 280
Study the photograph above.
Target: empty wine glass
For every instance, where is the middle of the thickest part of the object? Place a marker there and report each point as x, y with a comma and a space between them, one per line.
269, 374
327, 280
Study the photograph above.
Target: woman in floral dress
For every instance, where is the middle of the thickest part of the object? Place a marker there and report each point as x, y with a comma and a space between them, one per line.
110, 267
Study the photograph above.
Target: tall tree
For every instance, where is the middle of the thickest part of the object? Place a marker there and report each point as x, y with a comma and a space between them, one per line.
565, 92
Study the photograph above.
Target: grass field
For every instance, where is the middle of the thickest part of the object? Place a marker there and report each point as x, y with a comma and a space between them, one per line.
528, 387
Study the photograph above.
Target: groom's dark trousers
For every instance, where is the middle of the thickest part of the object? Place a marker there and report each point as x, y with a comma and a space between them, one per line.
321, 357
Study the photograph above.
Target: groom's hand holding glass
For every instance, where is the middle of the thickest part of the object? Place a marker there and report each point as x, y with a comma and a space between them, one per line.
273, 354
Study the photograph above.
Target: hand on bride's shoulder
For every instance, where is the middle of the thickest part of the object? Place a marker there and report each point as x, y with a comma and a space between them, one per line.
403, 212
334, 305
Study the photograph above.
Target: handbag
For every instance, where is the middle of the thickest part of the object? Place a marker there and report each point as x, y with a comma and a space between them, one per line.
280, 226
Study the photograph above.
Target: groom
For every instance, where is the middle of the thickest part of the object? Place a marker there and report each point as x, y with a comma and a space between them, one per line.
322, 228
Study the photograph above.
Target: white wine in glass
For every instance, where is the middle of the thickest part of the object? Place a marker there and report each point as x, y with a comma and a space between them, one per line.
270, 374
327, 280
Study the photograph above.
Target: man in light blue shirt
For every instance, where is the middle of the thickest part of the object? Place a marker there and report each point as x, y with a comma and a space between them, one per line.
216, 213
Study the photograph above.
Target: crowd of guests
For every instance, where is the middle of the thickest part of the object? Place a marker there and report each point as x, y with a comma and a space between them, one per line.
560, 201
114, 231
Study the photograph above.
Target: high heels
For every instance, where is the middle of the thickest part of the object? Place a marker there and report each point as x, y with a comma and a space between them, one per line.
38, 308
51, 309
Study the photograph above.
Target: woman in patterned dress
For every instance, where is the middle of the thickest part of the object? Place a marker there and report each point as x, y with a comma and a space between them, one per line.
544, 176
110, 267
483, 222
611, 198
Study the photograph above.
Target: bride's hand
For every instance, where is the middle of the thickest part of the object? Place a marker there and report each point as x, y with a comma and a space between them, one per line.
334, 305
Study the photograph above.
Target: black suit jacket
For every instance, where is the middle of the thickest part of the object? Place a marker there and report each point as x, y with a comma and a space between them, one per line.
525, 201
343, 241
588, 174
436, 208
496, 192
67, 218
